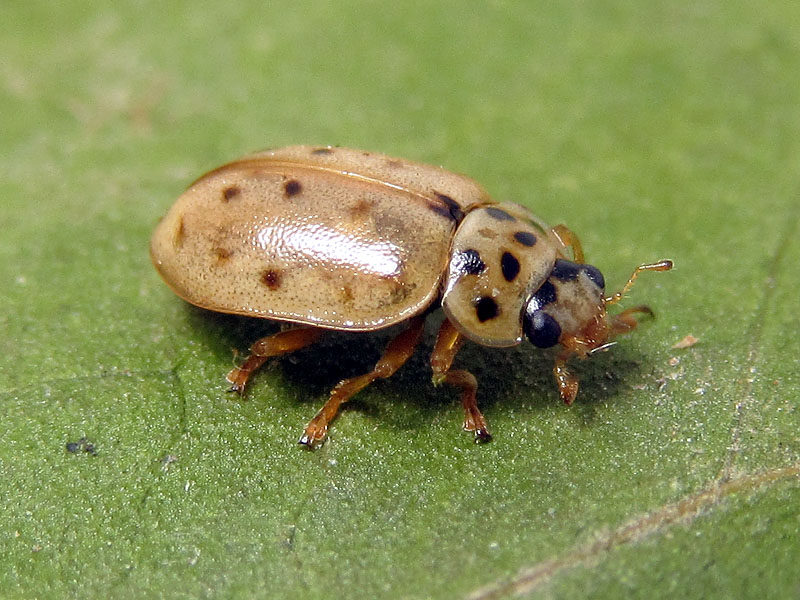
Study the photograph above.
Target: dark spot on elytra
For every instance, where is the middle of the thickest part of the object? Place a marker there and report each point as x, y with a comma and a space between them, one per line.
440, 210
400, 291
486, 308
347, 294
222, 254
361, 208
545, 295
322, 151
469, 262
389, 226
231, 192
180, 233
452, 206
499, 214
510, 266
271, 278
393, 291
526, 238
565, 270
292, 188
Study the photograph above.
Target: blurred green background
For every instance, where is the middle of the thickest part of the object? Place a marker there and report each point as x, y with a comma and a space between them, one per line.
653, 130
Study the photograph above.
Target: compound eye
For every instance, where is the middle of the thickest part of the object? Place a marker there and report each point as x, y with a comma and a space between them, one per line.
595, 275
542, 330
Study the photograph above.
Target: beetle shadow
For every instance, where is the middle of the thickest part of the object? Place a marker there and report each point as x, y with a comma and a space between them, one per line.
518, 380
605, 377
313, 370
508, 378
522, 376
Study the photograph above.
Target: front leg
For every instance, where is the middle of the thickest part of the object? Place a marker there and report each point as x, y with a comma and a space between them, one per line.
448, 343
567, 382
567, 238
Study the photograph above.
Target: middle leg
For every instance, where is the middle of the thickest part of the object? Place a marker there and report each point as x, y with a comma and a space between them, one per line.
448, 343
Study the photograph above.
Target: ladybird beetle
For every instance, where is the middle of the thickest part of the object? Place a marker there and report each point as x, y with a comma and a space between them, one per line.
330, 238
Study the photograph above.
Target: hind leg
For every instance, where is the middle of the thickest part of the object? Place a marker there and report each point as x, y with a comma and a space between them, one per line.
276, 344
396, 354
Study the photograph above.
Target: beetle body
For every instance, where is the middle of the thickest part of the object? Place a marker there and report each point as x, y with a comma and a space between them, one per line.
333, 238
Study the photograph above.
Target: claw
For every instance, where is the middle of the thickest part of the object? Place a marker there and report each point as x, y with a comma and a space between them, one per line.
310, 441
482, 436
236, 389
237, 378
438, 379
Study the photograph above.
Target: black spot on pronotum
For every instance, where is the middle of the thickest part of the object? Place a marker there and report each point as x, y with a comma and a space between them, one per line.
565, 270
542, 330
271, 278
595, 275
452, 206
499, 214
292, 188
468, 262
229, 193
486, 308
526, 238
509, 265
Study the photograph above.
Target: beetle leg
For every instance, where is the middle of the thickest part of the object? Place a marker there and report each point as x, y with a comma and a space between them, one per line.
448, 343
625, 321
567, 382
396, 354
621, 323
568, 239
276, 344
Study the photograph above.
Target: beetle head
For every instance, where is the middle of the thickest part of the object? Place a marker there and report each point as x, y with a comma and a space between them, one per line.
570, 309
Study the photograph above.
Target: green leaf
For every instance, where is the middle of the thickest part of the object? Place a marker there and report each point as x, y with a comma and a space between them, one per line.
653, 131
